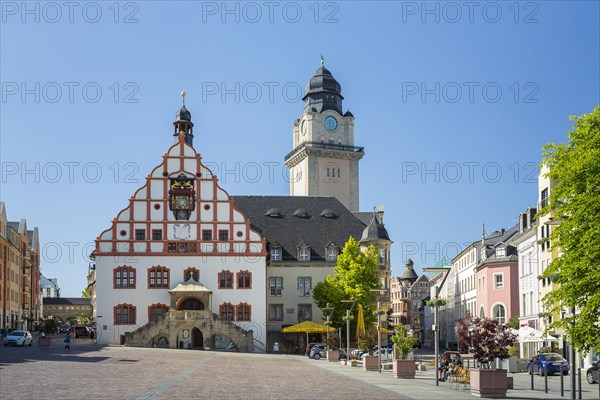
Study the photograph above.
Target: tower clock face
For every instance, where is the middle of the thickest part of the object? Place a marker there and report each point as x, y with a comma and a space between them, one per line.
304, 127
330, 123
183, 202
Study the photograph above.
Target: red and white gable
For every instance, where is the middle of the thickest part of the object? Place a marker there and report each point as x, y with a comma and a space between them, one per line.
180, 185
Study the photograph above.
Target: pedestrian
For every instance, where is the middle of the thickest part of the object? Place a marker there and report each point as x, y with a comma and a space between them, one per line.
68, 341
276, 347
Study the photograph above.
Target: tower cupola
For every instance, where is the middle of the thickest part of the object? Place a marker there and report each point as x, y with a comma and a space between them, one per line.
183, 123
323, 92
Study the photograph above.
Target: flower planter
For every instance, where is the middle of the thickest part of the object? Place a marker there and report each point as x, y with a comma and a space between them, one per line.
44, 342
489, 383
404, 368
370, 363
333, 355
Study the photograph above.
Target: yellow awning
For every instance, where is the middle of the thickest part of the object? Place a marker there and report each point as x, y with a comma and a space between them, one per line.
308, 327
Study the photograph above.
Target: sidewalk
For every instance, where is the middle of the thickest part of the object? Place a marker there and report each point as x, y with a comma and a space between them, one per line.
423, 386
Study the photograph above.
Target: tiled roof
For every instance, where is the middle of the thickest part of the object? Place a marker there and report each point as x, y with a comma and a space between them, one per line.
79, 301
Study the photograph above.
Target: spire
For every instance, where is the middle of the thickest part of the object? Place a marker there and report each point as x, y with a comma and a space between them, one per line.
322, 61
183, 123
323, 92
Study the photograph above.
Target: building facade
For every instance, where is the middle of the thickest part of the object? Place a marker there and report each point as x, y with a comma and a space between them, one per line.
49, 287
19, 273
67, 308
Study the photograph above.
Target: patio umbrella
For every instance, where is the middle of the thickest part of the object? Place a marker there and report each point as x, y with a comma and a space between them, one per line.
360, 322
308, 327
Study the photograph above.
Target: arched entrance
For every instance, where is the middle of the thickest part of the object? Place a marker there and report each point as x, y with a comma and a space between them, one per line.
191, 303
197, 339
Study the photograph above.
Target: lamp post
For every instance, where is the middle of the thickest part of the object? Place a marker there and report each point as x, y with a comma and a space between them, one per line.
347, 318
378, 313
328, 311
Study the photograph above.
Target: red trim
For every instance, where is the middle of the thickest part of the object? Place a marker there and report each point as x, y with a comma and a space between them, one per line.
249, 278
121, 269
157, 306
227, 273
126, 307
191, 269
162, 270
245, 308
227, 307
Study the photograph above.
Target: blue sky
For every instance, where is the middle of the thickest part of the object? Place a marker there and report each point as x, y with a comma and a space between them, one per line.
452, 103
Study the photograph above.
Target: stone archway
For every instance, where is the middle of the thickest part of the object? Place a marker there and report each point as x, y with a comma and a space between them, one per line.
190, 303
197, 339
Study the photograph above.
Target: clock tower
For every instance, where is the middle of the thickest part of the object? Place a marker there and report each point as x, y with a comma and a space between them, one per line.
324, 161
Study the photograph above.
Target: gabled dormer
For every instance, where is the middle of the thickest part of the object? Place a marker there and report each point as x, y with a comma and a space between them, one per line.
331, 252
303, 252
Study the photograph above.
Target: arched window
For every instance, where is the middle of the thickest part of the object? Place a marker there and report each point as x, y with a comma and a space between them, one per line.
156, 311
244, 280
158, 277
499, 313
225, 280
226, 311
481, 313
124, 277
191, 273
191, 304
244, 312
124, 314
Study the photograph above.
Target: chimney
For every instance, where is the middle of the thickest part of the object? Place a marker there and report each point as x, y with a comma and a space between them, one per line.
380, 214
523, 221
531, 215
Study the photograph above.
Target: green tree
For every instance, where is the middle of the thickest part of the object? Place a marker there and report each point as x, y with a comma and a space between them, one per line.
354, 277
85, 293
575, 203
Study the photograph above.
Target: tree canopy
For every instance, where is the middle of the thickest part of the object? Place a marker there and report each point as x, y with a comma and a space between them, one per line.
575, 204
354, 276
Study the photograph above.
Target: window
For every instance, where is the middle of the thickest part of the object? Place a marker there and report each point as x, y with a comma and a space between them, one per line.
226, 311
304, 255
304, 312
382, 256
191, 273
544, 197
156, 234
223, 235
157, 311
244, 280
124, 314
276, 312
499, 313
206, 235
158, 277
225, 280
276, 254
140, 234
501, 252
498, 281
124, 277
332, 254
304, 286
276, 285
243, 312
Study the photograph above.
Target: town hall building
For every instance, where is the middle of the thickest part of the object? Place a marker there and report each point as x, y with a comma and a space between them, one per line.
186, 265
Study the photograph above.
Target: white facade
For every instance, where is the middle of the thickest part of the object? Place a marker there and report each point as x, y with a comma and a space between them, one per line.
147, 234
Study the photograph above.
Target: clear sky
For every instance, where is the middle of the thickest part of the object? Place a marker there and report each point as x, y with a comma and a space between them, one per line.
453, 103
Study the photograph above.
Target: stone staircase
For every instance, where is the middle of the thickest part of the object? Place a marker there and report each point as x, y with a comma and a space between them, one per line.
166, 331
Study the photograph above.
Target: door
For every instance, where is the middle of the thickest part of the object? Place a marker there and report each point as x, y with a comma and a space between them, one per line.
197, 339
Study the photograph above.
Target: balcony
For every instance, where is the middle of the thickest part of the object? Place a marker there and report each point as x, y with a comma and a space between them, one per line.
189, 314
325, 146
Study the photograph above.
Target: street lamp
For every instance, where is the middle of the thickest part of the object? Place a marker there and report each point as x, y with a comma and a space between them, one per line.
378, 313
327, 309
347, 318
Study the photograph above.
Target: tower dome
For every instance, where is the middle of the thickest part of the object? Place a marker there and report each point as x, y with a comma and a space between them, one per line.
323, 92
374, 231
183, 123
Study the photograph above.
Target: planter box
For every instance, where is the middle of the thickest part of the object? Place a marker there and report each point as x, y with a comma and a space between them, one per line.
44, 342
489, 383
404, 368
370, 363
333, 355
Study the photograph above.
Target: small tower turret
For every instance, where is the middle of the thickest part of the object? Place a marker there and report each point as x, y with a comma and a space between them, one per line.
183, 123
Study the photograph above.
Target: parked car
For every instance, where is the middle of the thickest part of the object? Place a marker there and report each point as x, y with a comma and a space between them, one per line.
318, 351
552, 361
18, 338
310, 346
64, 328
386, 352
593, 373
77, 331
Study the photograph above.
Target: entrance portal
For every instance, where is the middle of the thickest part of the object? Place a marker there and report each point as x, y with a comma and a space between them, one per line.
197, 339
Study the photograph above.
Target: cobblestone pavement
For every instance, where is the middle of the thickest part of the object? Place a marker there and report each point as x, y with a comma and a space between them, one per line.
90, 371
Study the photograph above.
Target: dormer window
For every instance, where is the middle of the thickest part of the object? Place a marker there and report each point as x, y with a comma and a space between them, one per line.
303, 252
276, 252
501, 252
331, 252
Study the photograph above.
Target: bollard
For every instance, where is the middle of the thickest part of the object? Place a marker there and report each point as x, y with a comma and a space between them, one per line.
531, 373
562, 381
546, 378
579, 381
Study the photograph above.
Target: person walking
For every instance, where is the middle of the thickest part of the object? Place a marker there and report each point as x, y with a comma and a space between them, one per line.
68, 341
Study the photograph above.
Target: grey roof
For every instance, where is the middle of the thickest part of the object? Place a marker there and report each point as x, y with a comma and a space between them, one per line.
409, 271
336, 225
364, 216
374, 231
80, 301
322, 93
45, 282
14, 225
183, 115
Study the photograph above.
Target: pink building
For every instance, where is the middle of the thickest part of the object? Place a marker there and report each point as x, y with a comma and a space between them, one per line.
498, 282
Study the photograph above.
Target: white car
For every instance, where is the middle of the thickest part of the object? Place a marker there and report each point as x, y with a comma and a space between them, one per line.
18, 338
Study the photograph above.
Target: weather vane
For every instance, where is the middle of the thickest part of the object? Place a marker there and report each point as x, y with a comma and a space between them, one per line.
322, 61
183, 98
